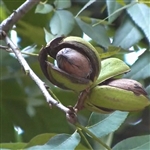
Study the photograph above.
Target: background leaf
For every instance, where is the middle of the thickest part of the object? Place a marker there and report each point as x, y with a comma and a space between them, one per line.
43, 8
105, 123
12, 146
127, 34
61, 141
40, 139
62, 23
112, 6
134, 143
141, 68
85, 6
61, 4
140, 14
97, 33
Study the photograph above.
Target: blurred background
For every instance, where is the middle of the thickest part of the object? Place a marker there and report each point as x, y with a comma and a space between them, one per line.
24, 112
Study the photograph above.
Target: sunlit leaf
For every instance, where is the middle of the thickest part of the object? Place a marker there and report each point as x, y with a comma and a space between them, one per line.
97, 33
102, 125
112, 50
127, 34
48, 36
134, 143
112, 6
62, 23
61, 4
147, 2
140, 13
141, 68
120, 2
85, 6
43, 8
59, 142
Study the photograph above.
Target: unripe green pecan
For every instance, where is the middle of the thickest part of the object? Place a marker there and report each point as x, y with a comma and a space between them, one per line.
78, 63
119, 94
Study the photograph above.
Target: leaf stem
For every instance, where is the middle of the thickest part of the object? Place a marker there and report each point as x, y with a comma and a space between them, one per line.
92, 135
85, 139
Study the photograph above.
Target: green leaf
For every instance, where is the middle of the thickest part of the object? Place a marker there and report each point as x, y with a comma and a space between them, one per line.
40, 139
12, 145
147, 2
140, 13
148, 90
26, 29
59, 142
61, 4
102, 124
111, 67
112, 50
120, 2
85, 6
43, 8
141, 68
62, 23
48, 36
134, 143
97, 33
127, 34
112, 6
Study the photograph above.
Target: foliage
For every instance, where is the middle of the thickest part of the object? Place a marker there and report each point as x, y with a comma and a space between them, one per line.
115, 27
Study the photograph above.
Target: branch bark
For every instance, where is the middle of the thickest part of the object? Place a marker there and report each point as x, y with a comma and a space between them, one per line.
8, 23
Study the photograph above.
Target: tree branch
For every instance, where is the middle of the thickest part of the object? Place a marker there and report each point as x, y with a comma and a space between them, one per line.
34, 77
7, 24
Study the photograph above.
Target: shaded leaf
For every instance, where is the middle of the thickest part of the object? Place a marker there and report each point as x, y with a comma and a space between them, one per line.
48, 36
62, 23
97, 33
147, 2
148, 90
141, 68
112, 50
92, 21
134, 143
120, 2
61, 4
60, 141
40, 139
26, 29
112, 6
140, 13
43, 8
12, 145
127, 34
85, 6
102, 124
111, 67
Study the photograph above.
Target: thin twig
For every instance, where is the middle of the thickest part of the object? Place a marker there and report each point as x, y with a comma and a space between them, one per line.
6, 48
8, 23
